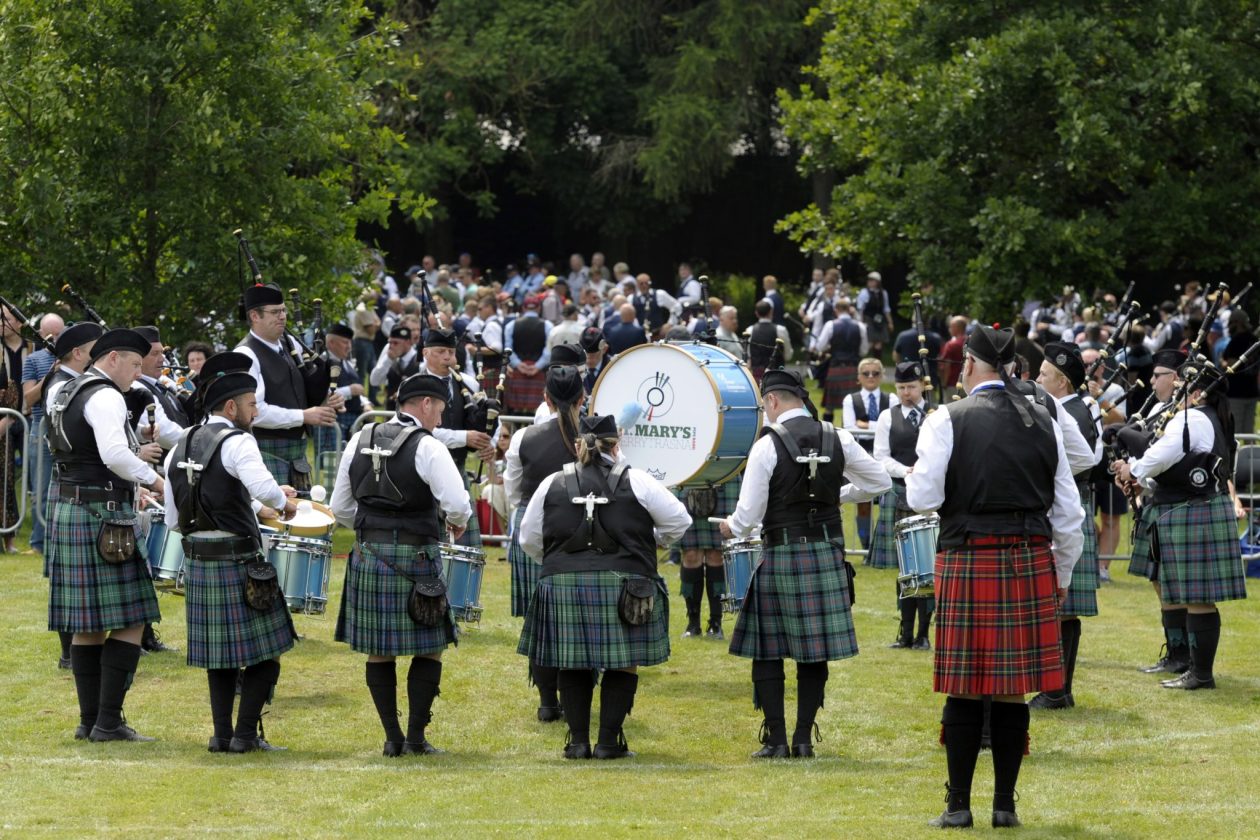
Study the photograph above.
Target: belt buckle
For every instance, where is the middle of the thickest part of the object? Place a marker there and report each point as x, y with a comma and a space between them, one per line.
803, 540
111, 506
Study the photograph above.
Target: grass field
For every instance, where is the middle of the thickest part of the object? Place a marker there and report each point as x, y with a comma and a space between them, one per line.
1131, 760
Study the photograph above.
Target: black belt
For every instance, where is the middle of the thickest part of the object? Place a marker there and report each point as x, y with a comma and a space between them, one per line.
239, 548
801, 534
392, 537
82, 494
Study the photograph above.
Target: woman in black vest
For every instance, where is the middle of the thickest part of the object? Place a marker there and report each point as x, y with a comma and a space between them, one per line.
536, 452
599, 603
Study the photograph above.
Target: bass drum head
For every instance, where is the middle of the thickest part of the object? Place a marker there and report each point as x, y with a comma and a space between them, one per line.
677, 403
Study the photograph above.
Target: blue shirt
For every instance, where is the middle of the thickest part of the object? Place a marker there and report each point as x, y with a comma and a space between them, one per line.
622, 336
34, 369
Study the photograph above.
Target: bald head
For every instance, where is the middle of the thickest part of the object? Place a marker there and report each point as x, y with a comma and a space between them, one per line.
627, 313
51, 325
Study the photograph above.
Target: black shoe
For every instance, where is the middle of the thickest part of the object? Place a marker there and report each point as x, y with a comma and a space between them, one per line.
63, 663
81, 732
1166, 665
714, 631
802, 751
152, 643
577, 751
1049, 701
122, 732
610, 751
392, 749
1189, 682
693, 629
903, 642
952, 819
550, 714
922, 643
422, 748
259, 744
218, 745
772, 751
1005, 819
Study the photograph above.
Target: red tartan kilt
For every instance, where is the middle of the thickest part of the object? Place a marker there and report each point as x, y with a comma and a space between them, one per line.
997, 629
842, 380
523, 394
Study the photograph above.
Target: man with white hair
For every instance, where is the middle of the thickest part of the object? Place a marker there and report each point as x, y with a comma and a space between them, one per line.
728, 332
35, 368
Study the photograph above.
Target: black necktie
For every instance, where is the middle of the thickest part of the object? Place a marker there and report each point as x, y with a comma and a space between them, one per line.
913, 417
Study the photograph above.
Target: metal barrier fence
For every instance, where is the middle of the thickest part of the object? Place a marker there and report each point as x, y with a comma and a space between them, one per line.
7, 471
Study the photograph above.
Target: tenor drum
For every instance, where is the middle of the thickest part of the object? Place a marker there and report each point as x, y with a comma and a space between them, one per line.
916, 553
302, 565
740, 557
462, 566
698, 411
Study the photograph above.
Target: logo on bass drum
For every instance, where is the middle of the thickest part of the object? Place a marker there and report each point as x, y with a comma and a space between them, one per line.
657, 397
1199, 477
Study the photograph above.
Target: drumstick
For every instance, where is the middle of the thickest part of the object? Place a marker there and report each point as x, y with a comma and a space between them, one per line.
716, 520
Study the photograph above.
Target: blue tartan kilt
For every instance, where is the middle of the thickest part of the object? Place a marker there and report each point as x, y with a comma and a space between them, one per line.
1082, 594
704, 535
524, 570
88, 595
224, 631
797, 606
892, 506
1140, 560
573, 622
1197, 556
373, 618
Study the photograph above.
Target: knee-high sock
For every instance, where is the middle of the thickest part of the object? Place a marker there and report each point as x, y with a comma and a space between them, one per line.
424, 683
577, 690
715, 582
1204, 630
382, 682
1010, 739
85, 663
1070, 630
256, 686
118, 663
545, 682
691, 583
811, 685
66, 641
961, 722
923, 606
222, 683
905, 627
1174, 622
616, 699
767, 675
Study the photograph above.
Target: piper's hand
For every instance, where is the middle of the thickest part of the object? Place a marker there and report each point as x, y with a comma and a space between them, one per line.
1240, 512
725, 529
356, 390
319, 415
290, 508
289, 492
150, 453
335, 401
478, 440
457, 531
265, 512
1124, 475
1095, 389
150, 433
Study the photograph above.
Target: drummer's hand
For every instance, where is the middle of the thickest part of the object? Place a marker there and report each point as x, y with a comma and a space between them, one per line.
144, 499
265, 512
289, 492
477, 440
335, 401
319, 415
909, 470
290, 508
457, 531
150, 453
158, 486
725, 529
1061, 593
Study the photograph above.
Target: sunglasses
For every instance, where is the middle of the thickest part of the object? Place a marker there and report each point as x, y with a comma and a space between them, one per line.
870, 373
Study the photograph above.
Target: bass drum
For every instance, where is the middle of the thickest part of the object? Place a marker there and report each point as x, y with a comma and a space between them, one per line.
698, 411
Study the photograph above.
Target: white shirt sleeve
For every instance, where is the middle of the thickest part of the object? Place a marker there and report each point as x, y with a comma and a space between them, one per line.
824, 338
171, 516
513, 471
786, 338
380, 371
243, 461
269, 416
1066, 516
847, 412
865, 347
750, 510
531, 532
925, 487
106, 413
436, 468
669, 515
883, 453
1080, 455
168, 431
343, 503
867, 477
1167, 449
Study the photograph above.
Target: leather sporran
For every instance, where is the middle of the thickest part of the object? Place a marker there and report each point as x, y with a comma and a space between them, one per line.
637, 601
427, 604
701, 502
300, 475
262, 587
116, 541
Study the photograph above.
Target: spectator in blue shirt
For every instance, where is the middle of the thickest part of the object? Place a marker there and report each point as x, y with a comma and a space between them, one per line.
34, 368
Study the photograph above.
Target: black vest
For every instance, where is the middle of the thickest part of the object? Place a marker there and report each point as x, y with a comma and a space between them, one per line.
73, 441
542, 452
761, 342
283, 383
874, 309
1076, 409
529, 338
394, 380
395, 498
213, 500
170, 404
1198, 474
795, 501
846, 342
1000, 478
454, 416
55, 375
861, 410
649, 311
138, 400
903, 438
348, 376
620, 537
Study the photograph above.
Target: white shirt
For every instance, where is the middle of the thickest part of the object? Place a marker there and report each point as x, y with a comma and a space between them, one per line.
1081, 456
690, 291
883, 428
106, 412
491, 332
543, 413
453, 438
780, 333
850, 413
168, 431
435, 467
380, 373
270, 416
566, 332
823, 345
513, 469
669, 517
1166, 450
925, 487
867, 478
242, 460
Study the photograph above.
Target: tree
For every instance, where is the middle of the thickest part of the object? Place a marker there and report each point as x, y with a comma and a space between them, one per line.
1002, 149
136, 134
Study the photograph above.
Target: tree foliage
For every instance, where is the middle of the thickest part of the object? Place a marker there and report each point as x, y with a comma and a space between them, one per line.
1001, 149
135, 135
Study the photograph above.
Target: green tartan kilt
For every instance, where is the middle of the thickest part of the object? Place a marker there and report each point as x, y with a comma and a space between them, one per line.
573, 623
704, 535
50, 547
1140, 562
86, 594
797, 606
224, 631
471, 537
279, 455
1198, 559
1082, 594
892, 507
524, 570
373, 618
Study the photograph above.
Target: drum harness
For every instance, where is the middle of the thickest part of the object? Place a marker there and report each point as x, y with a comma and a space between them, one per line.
185, 458
813, 459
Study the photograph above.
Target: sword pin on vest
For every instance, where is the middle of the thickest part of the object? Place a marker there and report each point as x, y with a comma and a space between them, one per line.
378, 455
590, 500
813, 459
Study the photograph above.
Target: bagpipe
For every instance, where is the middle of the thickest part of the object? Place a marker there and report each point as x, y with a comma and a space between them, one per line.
27, 330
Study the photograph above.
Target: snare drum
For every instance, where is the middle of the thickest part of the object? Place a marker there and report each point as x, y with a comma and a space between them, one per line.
155, 534
311, 520
302, 565
462, 567
740, 557
169, 565
916, 553
699, 411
